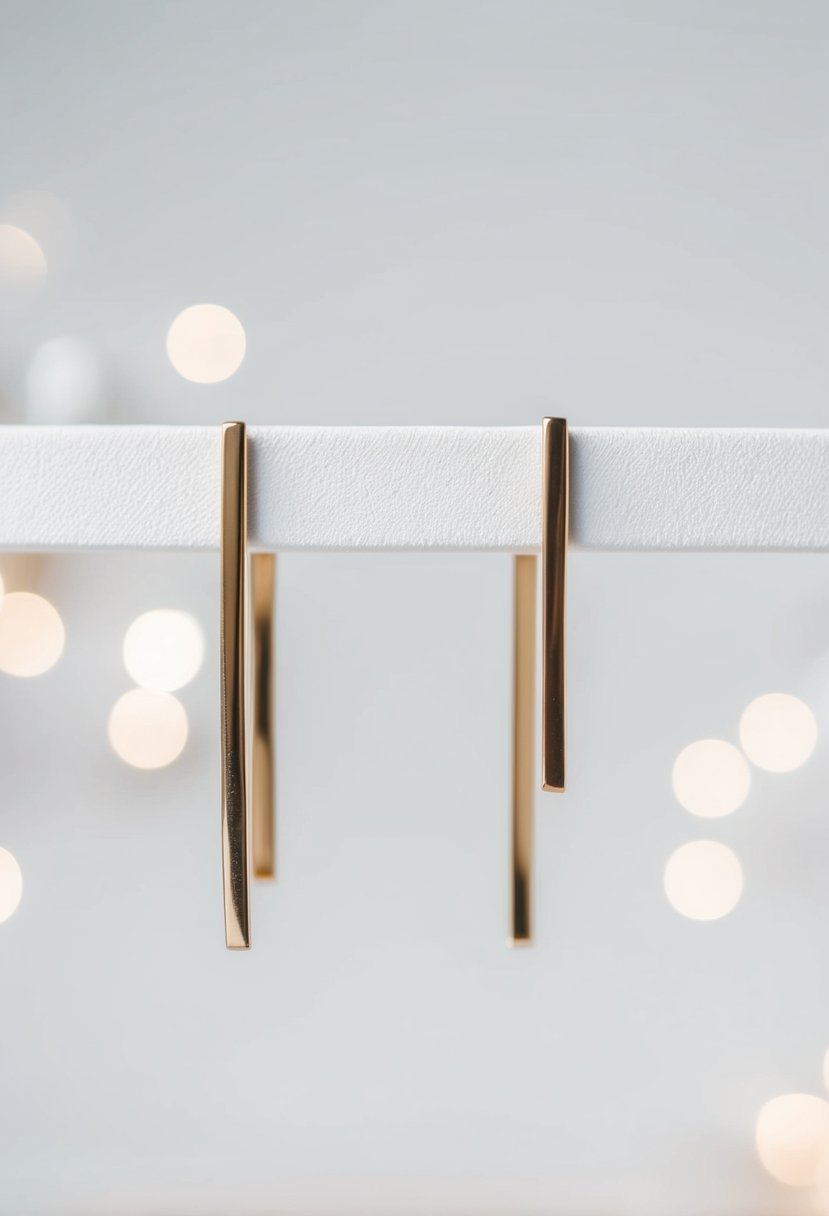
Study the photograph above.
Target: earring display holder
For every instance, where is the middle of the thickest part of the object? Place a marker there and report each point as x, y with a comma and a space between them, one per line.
431, 489
415, 488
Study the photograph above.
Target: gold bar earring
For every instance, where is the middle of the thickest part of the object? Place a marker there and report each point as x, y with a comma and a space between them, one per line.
555, 507
262, 583
523, 740
555, 494
232, 660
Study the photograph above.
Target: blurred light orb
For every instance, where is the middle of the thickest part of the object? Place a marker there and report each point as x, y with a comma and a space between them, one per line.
47, 218
22, 261
703, 880
778, 732
206, 343
711, 778
820, 1195
32, 636
11, 884
164, 649
63, 383
792, 1136
147, 728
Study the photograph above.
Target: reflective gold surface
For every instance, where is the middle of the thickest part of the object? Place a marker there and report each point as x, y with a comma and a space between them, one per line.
554, 528
232, 668
262, 583
523, 740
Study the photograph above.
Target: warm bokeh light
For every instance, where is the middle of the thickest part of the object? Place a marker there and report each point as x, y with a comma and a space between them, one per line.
703, 880
820, 1195
63, 383
778, 732
31, 634
792, 1136
11, 884
22, 261
206, 343
164, 649
711, 778
148, 729
47, 218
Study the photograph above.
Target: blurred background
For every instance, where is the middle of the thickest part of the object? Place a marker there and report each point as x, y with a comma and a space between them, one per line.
458, 212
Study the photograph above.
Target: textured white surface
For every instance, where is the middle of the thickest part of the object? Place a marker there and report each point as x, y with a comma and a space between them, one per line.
403, 488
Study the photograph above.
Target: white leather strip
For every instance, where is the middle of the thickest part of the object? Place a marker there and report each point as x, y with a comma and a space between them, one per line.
414, 488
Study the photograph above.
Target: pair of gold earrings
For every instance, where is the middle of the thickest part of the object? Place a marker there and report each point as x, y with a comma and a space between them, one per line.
251, 579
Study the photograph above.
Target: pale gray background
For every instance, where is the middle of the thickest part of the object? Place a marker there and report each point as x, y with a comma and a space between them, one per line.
422, 213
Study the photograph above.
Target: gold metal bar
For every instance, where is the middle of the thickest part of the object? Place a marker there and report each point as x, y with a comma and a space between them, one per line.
554, 529
235, 862
262, 582
523, 739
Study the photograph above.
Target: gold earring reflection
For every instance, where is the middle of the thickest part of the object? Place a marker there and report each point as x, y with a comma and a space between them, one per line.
523, 746
263, 785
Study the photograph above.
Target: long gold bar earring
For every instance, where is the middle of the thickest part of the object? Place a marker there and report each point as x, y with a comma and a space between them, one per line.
235, 860
555, 511
262, 582
523, 740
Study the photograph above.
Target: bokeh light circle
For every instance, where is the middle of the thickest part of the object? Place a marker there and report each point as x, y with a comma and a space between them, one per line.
11, 884
49, 221
32, 636
778, 732
206, 343
63, 383
792, 1137
703, 880
711, 778
22, 261
164, 649
147, 729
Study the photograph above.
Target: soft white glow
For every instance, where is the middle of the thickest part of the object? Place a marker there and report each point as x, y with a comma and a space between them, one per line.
164, 649
792, 1135
711, 778
778, 732
63, 383
22, 261
703, 880
31, 634
148, 729
11, 884
206, 343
